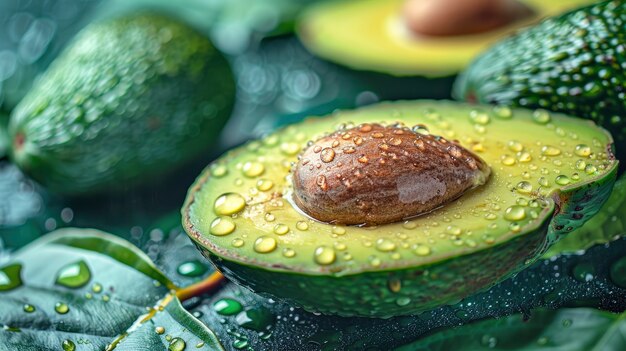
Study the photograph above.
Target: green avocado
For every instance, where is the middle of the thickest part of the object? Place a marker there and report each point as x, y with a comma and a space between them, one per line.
549, 174
371, 35
573, 63
130, 100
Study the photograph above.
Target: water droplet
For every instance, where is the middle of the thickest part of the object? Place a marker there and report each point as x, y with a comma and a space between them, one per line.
290, 149
403, 301
97, 288
28, 308
289, 253
237, 242
321, 182
200, 345
10, 277
177, 344
74, 275
192, 268
258, 319
324, 255
61, 308
385, 245
68, 345
265, 244
479, 117
394, 285
590, 169
222, 226
515, 213
491, 216
252, 169
159, 330
281, 229
302, 225
582, 150
524, 187
229, 203
240, 344
363, 159
524, 156
562, 180
218, 170
543, 181
227, 307
453, 230
264, 184
106, 298
327, 155
515, 146
503, 112
422, 250
270, 217
507, 160
548, 150
339, 230
541, 116
584, 272
618, 272
409, 225
566, 323
489, 341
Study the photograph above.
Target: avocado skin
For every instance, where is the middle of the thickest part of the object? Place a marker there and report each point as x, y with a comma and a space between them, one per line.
573, 63
130, 100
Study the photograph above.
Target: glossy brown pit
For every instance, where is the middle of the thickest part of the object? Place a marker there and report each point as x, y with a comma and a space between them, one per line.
459, 17
373, 174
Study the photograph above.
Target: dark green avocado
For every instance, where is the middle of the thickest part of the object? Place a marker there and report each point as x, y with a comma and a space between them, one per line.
130, 100
573, 63
546, 175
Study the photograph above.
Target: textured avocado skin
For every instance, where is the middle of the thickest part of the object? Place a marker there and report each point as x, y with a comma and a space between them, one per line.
128, 101
573, 63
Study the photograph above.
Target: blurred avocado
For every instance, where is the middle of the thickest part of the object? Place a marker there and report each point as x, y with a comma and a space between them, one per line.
130, 101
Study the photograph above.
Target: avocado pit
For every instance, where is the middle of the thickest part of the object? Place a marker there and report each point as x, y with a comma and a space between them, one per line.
458, 17
374, 174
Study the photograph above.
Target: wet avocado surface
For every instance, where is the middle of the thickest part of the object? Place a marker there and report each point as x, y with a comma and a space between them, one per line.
241, 214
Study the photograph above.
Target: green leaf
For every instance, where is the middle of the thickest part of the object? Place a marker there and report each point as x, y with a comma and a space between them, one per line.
172, 327
606, 226
85, 287
576, 329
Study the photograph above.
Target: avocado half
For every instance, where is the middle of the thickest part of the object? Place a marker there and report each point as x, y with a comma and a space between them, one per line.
370, 35
549, 174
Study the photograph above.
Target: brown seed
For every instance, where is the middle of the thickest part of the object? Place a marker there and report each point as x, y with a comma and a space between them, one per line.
383, 187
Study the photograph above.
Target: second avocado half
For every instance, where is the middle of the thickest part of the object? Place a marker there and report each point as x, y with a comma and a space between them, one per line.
527, 178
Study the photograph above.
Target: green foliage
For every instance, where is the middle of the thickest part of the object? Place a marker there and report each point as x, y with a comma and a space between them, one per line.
85, 287
575, 329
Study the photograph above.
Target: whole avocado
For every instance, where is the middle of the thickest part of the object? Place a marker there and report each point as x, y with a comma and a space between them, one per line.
573, 63
130, 100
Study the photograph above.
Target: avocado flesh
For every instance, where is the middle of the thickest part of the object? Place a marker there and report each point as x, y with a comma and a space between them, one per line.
565, 64
128, 101
438, 258
370, 35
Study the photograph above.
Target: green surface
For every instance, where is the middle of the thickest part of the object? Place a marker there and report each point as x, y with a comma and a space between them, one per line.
129, 101
267, 244
572, 64
576, 329
606, 226
42, 312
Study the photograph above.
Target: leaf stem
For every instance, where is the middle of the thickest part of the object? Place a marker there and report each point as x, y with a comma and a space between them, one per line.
212, 282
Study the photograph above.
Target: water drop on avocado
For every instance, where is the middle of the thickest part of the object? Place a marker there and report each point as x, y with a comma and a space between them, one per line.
265, 244
222, 226
229, 203
29, 308
324, 255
